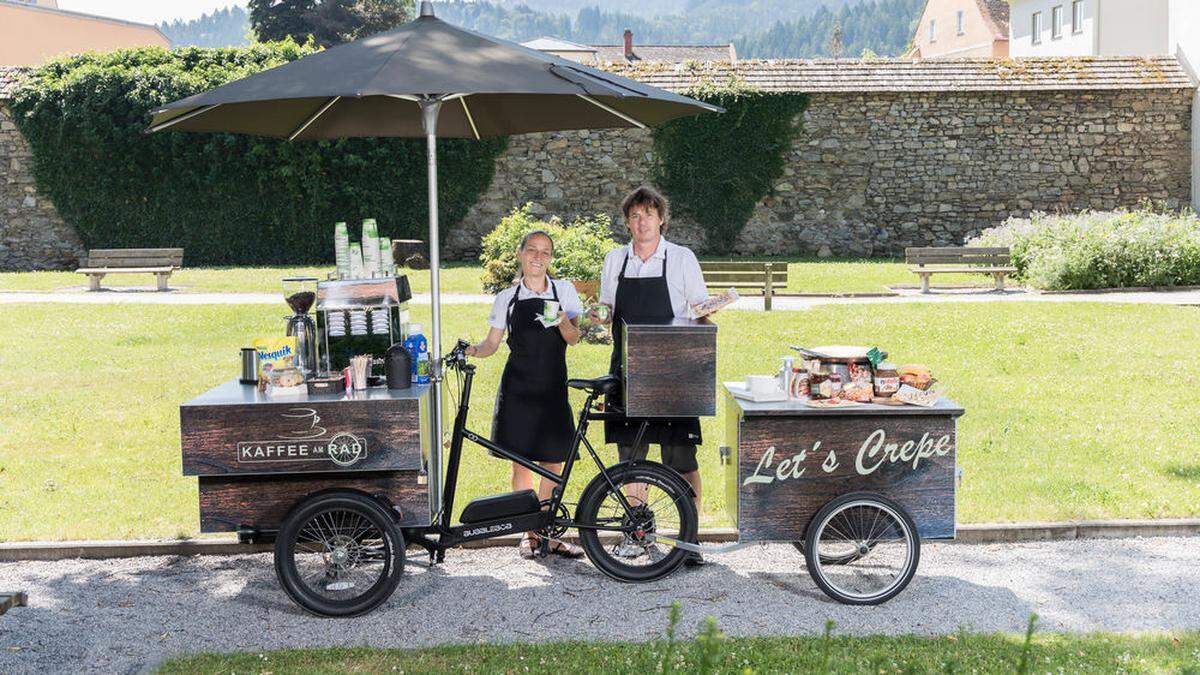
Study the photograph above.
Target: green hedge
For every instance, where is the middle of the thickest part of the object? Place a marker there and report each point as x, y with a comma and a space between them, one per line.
226, 199
1115, 249
716, 167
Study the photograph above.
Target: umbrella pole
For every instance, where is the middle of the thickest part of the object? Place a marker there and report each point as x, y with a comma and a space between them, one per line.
429, 116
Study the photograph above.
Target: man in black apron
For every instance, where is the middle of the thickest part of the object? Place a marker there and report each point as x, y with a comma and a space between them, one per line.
651, 280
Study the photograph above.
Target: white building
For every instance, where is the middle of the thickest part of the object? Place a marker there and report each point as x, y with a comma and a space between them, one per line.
1094, 27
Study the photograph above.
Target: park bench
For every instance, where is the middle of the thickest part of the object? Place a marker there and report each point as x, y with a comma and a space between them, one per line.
959, 260
160, 262
10, 600
765, 276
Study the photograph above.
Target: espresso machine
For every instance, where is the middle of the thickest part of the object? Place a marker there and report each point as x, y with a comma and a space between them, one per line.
299, 293
360, 316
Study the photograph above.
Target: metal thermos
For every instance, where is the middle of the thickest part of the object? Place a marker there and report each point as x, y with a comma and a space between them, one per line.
249, 366
398, 366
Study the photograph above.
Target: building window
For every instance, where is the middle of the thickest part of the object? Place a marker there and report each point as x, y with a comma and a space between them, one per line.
961, 21
1077, 17
1036, 28
1056, 22
932, 30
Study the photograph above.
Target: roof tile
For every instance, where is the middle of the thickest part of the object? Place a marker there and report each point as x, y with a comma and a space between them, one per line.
894, 75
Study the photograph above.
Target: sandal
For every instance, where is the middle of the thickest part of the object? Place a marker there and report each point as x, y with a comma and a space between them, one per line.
565, 549
527, 547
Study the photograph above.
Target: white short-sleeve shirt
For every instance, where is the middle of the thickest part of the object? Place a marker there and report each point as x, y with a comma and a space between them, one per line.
685, 281
568, 300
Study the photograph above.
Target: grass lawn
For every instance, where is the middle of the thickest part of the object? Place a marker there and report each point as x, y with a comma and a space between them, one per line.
1097, 653
1073, 410
806, 276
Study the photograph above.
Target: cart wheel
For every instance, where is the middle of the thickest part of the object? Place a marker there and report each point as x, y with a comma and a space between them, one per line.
835, 560
862, 549
664, 507
339, 554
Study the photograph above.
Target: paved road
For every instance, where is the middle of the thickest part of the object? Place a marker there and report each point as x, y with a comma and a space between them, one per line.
127, 615
1185, 297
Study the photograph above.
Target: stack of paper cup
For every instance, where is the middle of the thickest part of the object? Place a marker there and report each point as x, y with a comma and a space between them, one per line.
341, 249
370, 248
388, 263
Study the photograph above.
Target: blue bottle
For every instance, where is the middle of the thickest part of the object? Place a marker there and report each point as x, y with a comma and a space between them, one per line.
418, 349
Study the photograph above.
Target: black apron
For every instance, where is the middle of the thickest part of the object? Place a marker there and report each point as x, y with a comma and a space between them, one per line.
533, 416
643, 299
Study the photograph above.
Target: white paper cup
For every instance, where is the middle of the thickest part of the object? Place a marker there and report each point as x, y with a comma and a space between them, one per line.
549, 310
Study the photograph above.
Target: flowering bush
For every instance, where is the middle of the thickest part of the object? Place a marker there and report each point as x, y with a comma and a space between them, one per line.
1093, 249
579, 248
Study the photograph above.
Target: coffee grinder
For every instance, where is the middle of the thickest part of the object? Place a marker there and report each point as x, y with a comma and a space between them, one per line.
300, 293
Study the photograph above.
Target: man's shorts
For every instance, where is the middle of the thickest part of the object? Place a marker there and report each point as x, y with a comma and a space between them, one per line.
682, 458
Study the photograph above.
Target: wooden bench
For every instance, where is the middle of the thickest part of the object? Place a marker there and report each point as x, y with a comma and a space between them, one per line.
766, 276
959, 260
160, 262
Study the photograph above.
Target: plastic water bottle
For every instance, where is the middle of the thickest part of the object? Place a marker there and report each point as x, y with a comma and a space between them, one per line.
418, 348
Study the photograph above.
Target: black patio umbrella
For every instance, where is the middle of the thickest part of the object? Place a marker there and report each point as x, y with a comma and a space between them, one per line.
426, 78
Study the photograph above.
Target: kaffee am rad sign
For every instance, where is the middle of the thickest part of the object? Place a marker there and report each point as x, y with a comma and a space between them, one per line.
789, 467
270, 438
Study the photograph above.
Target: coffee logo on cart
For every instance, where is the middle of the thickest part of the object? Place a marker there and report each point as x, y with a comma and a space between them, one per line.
874, 453
306, 443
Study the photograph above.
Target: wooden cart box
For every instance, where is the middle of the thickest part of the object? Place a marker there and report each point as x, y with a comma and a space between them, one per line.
784, 461
259, 456
671, 369
228, 504
235, 429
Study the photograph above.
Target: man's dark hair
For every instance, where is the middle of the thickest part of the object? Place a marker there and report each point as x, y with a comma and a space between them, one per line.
647, 197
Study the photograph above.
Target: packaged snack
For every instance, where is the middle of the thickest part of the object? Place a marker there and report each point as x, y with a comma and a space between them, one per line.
712, 304
274, 353
914, 396
915, 375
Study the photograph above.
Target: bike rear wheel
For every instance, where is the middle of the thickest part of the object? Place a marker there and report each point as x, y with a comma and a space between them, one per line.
664, 507
862, 549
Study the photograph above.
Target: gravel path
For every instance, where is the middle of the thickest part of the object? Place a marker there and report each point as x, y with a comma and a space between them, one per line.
127, 615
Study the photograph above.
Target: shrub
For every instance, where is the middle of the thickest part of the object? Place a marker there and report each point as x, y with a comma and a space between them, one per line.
1116, 249
227, 199
579, 248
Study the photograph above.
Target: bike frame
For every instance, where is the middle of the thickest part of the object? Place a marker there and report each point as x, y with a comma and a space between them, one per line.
452, 535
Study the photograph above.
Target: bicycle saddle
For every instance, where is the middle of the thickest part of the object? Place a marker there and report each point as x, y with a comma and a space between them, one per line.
606, 384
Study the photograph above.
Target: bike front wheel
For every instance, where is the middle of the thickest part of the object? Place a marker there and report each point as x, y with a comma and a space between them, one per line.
339, 554
862, 549
640, 506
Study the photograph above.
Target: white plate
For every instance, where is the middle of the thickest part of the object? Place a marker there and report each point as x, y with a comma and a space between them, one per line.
739, 390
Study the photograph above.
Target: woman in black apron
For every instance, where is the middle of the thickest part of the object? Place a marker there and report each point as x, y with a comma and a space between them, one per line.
533, 416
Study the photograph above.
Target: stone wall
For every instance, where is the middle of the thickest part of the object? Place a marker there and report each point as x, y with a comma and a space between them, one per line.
873, 173
869, 174
32, 234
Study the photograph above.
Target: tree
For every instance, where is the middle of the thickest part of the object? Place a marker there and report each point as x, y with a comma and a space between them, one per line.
329, 22
279, 19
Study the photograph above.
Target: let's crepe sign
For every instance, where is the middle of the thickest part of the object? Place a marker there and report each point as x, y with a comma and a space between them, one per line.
789, 468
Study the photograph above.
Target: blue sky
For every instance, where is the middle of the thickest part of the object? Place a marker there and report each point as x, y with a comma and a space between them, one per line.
148, 11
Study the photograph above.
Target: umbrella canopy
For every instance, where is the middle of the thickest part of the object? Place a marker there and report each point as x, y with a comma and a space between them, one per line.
426, 78
373, 87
